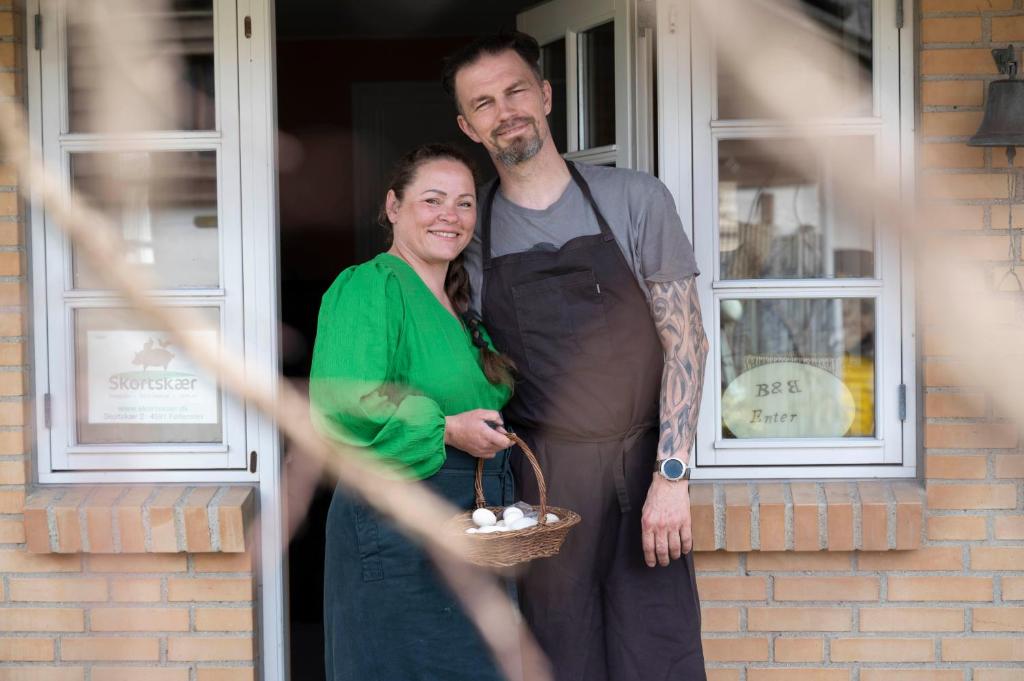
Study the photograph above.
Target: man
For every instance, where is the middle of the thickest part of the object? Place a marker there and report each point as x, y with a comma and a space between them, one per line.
585, 278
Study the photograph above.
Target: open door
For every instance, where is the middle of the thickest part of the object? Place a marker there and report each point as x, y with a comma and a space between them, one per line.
601, 112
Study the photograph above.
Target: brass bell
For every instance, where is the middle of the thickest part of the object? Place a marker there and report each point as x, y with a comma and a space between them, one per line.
1003, 123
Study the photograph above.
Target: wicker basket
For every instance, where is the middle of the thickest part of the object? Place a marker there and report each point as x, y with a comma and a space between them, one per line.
505, 549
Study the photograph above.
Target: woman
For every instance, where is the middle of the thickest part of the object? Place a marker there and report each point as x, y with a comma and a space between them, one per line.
401, 368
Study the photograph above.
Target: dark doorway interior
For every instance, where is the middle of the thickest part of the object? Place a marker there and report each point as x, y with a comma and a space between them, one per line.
357, 85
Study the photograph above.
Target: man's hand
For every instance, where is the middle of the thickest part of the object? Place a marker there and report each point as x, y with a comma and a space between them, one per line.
666, 521
470, 432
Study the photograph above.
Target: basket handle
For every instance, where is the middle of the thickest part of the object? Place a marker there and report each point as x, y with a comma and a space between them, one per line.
532, 458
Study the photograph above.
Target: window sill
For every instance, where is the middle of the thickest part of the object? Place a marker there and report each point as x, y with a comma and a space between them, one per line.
139, 519
874, 515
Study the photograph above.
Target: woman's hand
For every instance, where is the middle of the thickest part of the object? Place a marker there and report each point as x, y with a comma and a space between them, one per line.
469, 432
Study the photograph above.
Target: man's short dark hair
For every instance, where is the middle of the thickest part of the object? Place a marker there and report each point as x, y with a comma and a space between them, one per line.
522, 44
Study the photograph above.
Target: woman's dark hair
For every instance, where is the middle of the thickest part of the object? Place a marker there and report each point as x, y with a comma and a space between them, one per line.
498, 368
521, 43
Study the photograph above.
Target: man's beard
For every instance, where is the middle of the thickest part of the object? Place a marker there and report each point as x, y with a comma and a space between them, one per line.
520, 149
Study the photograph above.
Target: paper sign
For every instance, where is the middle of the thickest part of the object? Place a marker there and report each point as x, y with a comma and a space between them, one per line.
788, 399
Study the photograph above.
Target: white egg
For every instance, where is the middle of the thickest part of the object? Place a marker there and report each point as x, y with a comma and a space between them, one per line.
482, 517
732, 309
511, 514
551, 518
523, 523
487, 529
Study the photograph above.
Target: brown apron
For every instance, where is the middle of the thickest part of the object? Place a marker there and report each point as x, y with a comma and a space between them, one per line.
590, 363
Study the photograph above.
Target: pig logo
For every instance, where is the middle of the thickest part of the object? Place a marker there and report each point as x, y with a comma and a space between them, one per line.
150, 356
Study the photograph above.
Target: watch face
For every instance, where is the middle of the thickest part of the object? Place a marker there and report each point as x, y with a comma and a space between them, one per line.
673, 469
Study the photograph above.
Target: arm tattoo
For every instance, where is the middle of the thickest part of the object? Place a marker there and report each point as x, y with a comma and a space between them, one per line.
676, 311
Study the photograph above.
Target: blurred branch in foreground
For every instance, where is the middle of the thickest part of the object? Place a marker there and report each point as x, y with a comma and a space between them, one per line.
128, 83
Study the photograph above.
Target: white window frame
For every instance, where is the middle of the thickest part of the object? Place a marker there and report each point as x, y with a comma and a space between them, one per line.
247, 231
687, 137
567, 19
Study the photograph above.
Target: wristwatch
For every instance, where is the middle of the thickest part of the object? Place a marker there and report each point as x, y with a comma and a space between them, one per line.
673, 468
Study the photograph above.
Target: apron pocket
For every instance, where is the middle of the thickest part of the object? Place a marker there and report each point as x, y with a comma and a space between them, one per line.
562, 323
383, 550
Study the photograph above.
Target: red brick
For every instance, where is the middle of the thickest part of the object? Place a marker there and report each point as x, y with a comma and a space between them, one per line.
957, 61
42, 619
139, 674
940, 588
798, 674
911, 619
993, 674
956, 467
110, 649
882, 650
967, 497
228, 674
1007, 28
951, 30
951, 155
826, 588
200, 649
1010, 466
957, 527
188, 589
23, 649
715, 561
720, 619
58, 590
1002, 618
732, 588
933, 558
970, 436
775, 618
795, 561
736, 649
912, 675
139, 619
1013, 588
997, 558
983, 649
1009, 527
799, 649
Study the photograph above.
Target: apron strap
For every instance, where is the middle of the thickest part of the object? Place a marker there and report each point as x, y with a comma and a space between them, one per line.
606, 230
485, 226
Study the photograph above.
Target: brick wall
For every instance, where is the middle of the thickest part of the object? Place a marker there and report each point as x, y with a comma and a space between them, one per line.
75, 617
952, 610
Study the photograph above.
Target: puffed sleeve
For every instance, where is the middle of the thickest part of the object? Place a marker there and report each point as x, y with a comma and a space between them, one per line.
353, 395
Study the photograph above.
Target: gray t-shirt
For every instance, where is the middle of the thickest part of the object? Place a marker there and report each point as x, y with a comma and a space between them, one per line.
637, 206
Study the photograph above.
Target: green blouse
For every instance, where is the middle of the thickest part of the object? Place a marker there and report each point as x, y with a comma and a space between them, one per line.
390, 362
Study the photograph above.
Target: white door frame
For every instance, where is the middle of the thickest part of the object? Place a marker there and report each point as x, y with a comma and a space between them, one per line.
258, 123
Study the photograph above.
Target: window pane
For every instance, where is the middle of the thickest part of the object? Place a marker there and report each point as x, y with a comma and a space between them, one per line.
165, 203
798, 368
553, 66
134, 385
784, 211
597, 85
177, 45
806, 50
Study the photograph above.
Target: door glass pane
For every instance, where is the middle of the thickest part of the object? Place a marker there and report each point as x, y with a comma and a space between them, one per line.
165, 204
789, 209
134, 385
553, 67
140, 65
816, 53
798, 368
597, 86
